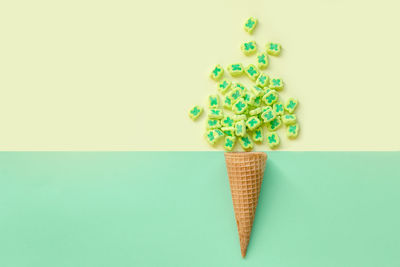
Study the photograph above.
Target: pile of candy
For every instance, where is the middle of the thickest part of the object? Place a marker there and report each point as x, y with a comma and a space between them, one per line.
243, 111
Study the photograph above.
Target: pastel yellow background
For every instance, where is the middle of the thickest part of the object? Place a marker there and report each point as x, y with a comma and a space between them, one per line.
121, 75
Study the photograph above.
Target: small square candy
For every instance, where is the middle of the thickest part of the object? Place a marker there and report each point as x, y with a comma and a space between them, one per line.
289, 119
257, 101
216, 113
228, 131
255, 111
258, 135
217, 72
239, 117
229, 143
249, 48
253, 123
274, 49
291, 104
276, 84
235, 94
213, 101
250, 25
292, 131
273, 140
257, 91
262, 60
239, 85
212, 136
228, 101
278, 108
268, 114
271, 97
213, 124
195, 112
246, 142
248, 98
240, 106
227, 121
274, 124
236, 69
240, 128
224, 85
252, 72
262, 80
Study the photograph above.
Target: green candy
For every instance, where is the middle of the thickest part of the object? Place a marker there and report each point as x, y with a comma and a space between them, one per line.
216, 113
213, 124
252, 72
292, 131
213, 136
248, 98
239, 85
276, 84
278, 108
240, 106
213, 101
262, 60
271, 97
227, 121
258, 135
246, 142
268, 114
228, 131
240, 128
250, 25
195, 112
273, 49
274, 124
257, 91
288, 119
235, 94
217, 72
224, 85
257, 101
249, 48
291, 104
253, 122
262, 80
236, 69
255, 111
273, 140
228, 101
229, 143
239, 117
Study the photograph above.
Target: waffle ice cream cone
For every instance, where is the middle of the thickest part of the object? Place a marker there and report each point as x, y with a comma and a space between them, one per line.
245, 171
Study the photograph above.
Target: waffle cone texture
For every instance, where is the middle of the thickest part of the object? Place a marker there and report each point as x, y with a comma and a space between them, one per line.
245, 172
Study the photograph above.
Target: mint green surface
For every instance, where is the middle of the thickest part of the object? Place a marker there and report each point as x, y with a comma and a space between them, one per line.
317, 209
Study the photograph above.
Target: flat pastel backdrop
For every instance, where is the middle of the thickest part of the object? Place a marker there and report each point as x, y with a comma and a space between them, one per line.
121, 75
87, 209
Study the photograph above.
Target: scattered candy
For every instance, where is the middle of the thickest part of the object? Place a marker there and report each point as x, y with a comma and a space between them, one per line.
274, 124
213, 124
257, 91
257, 101
253, 123
235, 94
249, 48
224, 85
268, 114
216, 114
262, 80
273, 140
229, 143
271, 97
255, 111
250, 25
227, 121
195, 112
291, 104
288, 119
292, 130
228, 102
276, 84
229, 131
235, 70
278, 108
240, 128
213, 101
258, 135
217, 72
246, 142
273, 49
239, 106
212, 136
262, 60
252, 72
